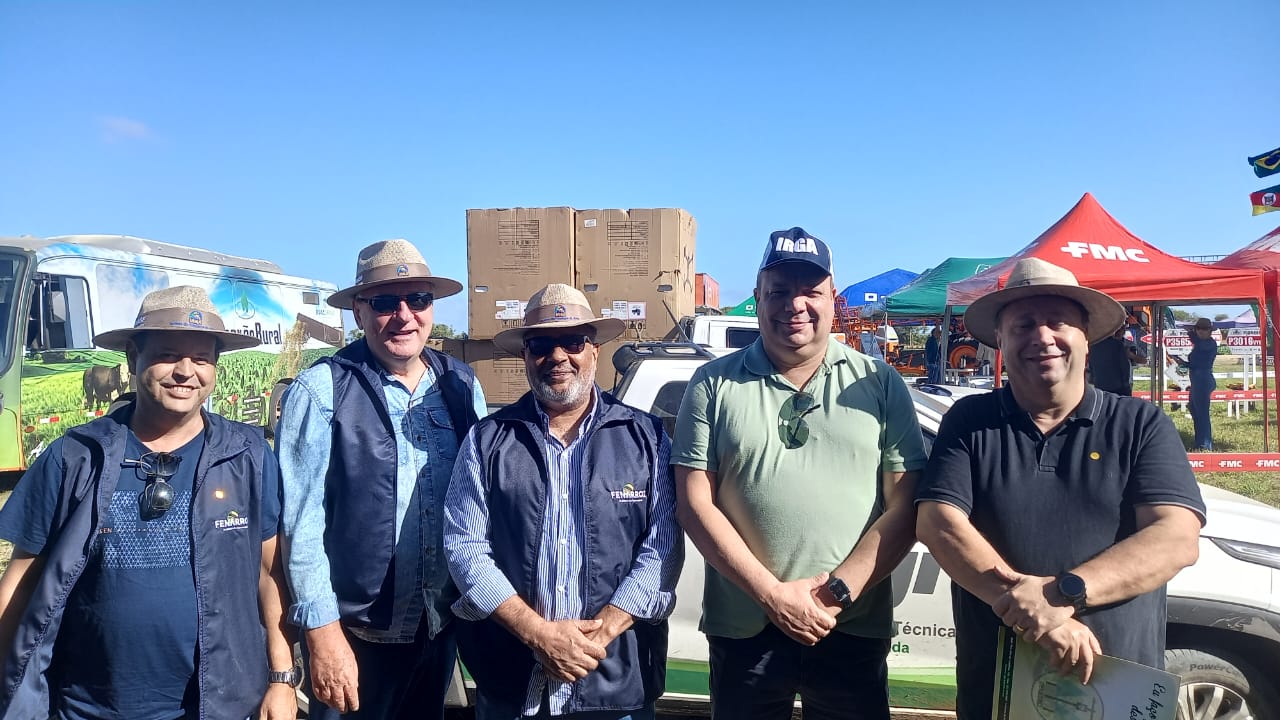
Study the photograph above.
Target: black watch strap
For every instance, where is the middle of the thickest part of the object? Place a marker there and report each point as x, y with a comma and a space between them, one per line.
840, 591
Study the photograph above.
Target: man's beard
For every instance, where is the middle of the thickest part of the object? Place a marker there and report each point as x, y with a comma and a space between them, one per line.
572, 395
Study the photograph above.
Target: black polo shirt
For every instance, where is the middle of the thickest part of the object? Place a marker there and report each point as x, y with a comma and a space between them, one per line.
1109, 364
1048, 503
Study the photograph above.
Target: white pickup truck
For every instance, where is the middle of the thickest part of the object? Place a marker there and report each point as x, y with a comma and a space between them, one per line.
1224, 612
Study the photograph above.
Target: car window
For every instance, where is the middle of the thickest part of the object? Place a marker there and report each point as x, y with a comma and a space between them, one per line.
667, 403
740, 337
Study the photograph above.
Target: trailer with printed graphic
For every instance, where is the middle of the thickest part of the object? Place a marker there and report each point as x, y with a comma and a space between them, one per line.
57, 293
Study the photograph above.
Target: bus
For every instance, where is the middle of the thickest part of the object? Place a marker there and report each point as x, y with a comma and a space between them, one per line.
56, 293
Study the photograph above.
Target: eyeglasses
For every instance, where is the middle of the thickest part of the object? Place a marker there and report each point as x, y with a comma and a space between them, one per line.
387, 304
157, 497
792, 428
544, 345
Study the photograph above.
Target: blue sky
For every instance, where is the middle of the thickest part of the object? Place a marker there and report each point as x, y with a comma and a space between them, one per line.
900, 133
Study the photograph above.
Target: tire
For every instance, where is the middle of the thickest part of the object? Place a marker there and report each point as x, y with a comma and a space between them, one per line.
273, 411
963, 354
1219, 686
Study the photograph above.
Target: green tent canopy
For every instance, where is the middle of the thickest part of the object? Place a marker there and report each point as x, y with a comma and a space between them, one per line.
747, 308
926, 296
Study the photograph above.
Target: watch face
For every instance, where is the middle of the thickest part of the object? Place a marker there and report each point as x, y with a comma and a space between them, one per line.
1071, 586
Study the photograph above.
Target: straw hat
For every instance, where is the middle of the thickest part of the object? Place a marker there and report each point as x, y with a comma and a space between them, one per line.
391, 261
558, 306
1031, 277
182, 307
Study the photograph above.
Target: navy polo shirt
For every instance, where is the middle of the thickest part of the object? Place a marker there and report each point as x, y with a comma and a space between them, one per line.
1048, 503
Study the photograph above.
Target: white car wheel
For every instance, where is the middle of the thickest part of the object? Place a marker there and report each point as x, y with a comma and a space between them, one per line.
1216, 687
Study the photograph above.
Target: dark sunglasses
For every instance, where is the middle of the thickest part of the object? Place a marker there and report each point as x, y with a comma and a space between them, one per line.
544, 345
157, 497
792, 428
387, 304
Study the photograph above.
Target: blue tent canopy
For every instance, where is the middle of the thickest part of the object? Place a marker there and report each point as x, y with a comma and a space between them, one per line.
873, 289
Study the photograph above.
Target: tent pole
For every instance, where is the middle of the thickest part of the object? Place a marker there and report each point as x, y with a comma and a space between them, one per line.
945, 333
1266, 408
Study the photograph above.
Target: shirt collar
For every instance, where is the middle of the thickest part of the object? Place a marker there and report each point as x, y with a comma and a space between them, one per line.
757, 361
587, 421
1088, 409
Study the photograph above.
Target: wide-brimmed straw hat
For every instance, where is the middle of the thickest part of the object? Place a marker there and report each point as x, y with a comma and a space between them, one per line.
180, 308
390, 261
1031, 277
558, 306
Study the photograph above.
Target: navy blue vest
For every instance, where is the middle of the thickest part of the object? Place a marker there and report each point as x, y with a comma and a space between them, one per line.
360, 487
622, 450
231, 659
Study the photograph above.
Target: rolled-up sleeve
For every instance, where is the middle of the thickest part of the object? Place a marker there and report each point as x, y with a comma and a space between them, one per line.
648, 592
303, 439
482, 586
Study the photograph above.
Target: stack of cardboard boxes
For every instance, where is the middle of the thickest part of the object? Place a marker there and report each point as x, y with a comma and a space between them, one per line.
637, 265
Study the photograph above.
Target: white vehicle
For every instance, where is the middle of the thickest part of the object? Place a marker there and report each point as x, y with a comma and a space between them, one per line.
719, 331
57, 293
1224, 612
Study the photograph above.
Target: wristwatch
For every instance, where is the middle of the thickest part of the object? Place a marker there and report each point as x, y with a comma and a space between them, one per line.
291, 677
840, 592
1072, 589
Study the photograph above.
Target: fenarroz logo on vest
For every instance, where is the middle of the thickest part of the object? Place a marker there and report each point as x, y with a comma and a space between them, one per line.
629, 494
233, 521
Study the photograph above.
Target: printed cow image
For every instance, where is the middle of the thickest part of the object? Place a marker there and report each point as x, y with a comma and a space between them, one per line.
102, 384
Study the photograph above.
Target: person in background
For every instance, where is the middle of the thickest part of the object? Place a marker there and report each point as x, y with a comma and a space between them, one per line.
367, 440
1059, 511
1204, 351
796, 461
933, 356
1111, 362
561, 534
146, 575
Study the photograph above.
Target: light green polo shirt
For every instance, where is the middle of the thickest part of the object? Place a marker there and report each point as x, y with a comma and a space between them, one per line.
800, 510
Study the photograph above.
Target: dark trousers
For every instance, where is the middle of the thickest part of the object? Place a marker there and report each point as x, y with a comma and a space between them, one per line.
843, 677
398, 681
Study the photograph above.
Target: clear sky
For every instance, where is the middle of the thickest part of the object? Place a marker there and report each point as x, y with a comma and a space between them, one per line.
901, 133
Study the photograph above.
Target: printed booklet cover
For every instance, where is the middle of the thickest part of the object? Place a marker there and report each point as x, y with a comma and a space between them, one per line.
1027, 688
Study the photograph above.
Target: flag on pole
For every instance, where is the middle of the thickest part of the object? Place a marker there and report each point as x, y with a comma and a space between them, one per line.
1267, 163
1265, 200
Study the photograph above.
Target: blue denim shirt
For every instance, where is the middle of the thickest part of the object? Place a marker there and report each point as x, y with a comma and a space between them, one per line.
425, 451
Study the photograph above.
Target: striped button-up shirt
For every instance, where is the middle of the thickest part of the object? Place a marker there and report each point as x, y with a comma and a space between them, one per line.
647, 593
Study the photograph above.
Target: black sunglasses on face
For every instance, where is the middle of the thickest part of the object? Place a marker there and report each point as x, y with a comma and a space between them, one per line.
157, 497
544, 345
792, 428
387, 304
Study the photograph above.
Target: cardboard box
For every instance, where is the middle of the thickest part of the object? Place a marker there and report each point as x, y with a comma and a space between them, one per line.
511, 254
449, 346
706, 291
500, 374
637, 265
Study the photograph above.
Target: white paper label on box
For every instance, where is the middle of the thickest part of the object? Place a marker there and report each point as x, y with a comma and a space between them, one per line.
636, 310
606, 313
620, 308
589, 222
509, 310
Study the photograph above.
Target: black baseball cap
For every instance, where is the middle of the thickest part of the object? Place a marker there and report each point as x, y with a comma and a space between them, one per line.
795, 246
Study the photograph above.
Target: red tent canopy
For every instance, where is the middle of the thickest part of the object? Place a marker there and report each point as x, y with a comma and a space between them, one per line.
1261, 253
1107, 257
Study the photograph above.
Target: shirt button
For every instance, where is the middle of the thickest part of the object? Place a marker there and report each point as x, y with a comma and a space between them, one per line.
563, 541
560, 588
564, 496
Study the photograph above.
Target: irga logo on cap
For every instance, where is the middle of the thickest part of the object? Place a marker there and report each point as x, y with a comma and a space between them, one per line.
798, 245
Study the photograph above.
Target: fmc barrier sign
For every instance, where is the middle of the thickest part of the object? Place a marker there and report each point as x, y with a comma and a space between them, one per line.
1233, 462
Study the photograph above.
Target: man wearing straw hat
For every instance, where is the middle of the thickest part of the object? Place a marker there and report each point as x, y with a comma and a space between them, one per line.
145, 568
796, 460
561, 535
1058, 510
367, 440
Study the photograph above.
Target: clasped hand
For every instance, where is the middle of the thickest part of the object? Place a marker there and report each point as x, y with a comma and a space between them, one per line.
795, 609
565, 648
1026, 606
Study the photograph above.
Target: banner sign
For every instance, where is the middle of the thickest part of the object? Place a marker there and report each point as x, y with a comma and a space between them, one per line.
1233, 462
1267, 163
1184, 396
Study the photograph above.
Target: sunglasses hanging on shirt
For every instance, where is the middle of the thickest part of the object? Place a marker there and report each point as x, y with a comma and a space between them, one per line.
157, 497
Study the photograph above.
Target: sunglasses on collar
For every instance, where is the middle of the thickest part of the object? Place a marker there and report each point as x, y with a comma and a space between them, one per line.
157, 497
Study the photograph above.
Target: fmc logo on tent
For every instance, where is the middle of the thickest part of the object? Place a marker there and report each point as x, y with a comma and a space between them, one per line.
1077, 250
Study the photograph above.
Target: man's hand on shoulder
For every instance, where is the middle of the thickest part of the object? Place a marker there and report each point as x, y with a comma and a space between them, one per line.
335, 679
1072, 647
793, 607
565, 650
1028, 604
